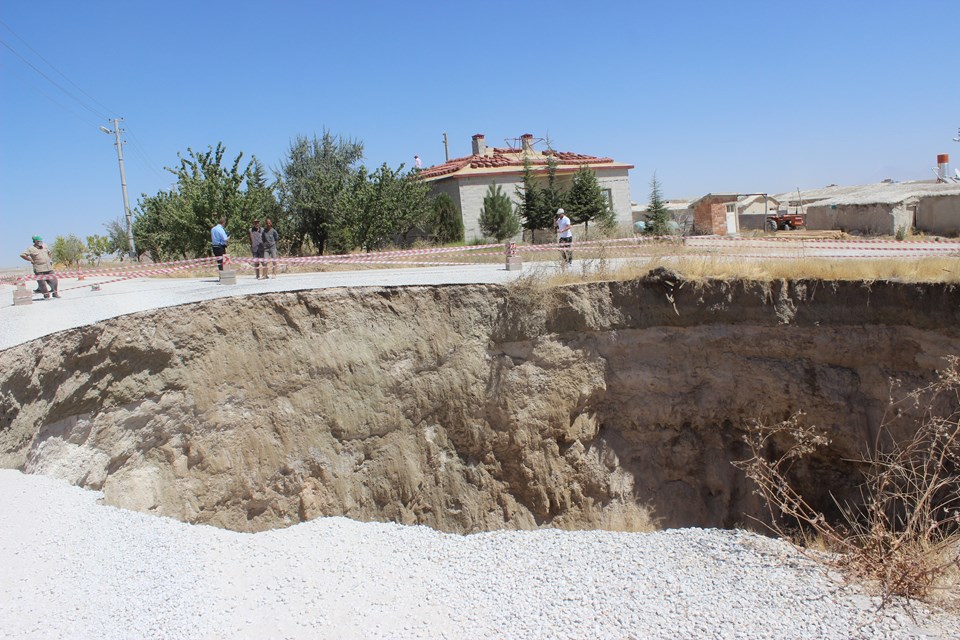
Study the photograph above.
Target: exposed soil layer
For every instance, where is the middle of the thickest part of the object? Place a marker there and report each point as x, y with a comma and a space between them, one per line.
469, 408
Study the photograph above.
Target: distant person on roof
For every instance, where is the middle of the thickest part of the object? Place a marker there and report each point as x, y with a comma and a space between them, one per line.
39, 257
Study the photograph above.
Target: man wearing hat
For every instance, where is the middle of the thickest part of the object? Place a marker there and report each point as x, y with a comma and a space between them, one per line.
39, 256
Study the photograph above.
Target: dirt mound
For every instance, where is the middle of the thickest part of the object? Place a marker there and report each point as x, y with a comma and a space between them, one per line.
467, 408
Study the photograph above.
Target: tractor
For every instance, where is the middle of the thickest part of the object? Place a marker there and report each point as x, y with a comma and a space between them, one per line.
784, 221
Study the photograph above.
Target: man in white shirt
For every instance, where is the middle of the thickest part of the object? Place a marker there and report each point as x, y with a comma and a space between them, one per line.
566, 236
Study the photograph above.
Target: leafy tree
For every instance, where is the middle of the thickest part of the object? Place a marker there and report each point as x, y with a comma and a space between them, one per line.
586, 201
176, 223
67, 250
97, 246
447, 222
379, 207
497, 218
657, 216
312, 184
158, 225
117, 237
260, 202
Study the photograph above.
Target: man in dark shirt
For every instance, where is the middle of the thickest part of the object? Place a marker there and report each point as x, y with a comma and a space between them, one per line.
256, 248
270, 237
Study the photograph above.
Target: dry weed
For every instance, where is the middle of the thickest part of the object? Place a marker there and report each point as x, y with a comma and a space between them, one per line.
903, 535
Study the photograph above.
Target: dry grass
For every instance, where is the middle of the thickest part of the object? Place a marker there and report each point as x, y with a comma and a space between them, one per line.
903, 534
694, 268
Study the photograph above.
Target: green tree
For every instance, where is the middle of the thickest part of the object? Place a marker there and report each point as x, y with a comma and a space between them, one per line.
586, 201
313, 182
531, 208
657, 216
447, 222
97, 246
67, 250
552, 196
497, 218
117, 237
539, 198
260, 202
381, 207
176, 223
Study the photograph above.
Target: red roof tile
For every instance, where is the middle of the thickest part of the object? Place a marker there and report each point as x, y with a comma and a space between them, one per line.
508, 157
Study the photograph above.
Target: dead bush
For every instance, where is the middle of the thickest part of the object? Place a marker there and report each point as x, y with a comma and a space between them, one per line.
903, 533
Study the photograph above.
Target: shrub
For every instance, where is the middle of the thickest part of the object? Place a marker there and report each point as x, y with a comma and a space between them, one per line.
903, 534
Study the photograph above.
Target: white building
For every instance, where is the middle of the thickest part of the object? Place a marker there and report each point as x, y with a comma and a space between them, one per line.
467, 179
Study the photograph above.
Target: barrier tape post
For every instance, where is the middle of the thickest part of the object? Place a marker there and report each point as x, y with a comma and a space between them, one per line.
227, 275
21, 295
514, 260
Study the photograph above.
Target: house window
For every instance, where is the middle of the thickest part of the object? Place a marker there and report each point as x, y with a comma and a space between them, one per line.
608, 193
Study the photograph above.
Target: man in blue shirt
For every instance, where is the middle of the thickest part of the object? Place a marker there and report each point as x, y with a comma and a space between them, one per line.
219, 240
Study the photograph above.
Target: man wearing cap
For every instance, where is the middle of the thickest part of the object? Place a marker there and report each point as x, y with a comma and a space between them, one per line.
39, 256
566, 235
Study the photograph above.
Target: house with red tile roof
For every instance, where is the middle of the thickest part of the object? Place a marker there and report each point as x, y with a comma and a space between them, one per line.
467, 179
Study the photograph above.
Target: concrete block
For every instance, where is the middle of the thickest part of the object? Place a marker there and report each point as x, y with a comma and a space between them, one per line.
228, 276
514, 263
22, 295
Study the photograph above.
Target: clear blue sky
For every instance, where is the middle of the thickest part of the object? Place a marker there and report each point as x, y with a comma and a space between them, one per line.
713, 96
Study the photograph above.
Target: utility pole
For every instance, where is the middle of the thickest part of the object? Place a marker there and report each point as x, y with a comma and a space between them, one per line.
116, 131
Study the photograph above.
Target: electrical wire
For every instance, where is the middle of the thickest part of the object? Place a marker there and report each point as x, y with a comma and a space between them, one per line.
139, 149
54, 82
74, 113
49, 64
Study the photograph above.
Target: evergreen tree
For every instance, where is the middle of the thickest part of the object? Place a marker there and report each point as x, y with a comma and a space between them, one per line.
447, 223
497, 218
530, 209
586, 201
657, 215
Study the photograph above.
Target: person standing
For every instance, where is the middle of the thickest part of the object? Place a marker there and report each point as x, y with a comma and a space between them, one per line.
256, 248
417, 163
39, 256
219, 240
270, 237
566, 236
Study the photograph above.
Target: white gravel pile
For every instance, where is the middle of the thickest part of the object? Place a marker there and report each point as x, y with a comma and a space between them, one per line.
72, 568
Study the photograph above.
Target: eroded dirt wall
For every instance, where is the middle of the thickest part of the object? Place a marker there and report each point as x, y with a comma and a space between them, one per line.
467, 407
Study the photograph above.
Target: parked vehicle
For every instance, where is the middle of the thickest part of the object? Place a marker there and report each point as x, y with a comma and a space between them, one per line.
783, 221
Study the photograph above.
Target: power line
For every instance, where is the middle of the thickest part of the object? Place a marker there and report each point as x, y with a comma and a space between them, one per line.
54, 82
49, 64
43, 93
141, 151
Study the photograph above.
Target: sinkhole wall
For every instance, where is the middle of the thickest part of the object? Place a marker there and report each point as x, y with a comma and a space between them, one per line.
470, 408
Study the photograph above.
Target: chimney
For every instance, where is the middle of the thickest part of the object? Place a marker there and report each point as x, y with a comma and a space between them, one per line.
526, 140
943, 167
479, 144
